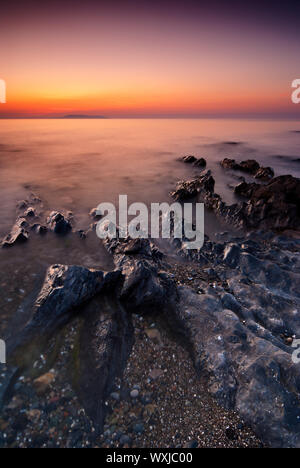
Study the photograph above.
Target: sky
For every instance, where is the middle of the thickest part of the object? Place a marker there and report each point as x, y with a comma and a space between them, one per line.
149, 59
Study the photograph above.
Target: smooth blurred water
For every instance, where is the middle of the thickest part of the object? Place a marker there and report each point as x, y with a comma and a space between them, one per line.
77, 164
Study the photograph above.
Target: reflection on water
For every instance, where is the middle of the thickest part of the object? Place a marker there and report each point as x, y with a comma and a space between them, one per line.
77, 164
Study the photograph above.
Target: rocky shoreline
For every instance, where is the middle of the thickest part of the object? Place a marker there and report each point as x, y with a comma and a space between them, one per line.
232, 310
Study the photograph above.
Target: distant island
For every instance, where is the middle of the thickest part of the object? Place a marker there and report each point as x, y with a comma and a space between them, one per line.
82, 116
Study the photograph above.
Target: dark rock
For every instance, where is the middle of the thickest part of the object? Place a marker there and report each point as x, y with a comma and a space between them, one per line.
201, 162
185, 190
189, 189
58, 223
238, 332
229, 302
39, 229
245, 370
229, 164
8, 378
145, 286
189, 159
105, 343
30, 212
21, 205
250, 166
65, 289
275, 205
94, 213
82, 234
232, 255
17, 235
244, 189
264, 173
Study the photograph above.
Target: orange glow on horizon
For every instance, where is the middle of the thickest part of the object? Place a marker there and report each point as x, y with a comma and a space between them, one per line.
118, 66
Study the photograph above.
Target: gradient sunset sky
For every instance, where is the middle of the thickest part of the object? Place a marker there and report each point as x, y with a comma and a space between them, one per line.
139, 59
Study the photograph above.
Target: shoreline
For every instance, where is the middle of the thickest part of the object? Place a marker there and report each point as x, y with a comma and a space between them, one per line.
215, 298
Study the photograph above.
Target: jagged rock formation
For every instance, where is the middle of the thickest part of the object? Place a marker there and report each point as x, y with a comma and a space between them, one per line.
250, 167
238, 327
58, 223
240, 330
189, 159
145, 286
275, 205
17, 235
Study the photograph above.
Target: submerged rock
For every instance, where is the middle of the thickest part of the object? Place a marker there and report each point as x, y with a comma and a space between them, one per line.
94, 213
264, 173
39, 229
250, 166
274, 205
197, 162
189, 159
17, 235
190, 188
58, 223
30, 212
229, 164
201, 162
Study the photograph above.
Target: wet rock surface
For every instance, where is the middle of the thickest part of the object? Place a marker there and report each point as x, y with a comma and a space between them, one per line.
189, 159
58, 223
264, 173
274, 205
197, 162
65, 289
250, 166
17, 235
145, 285
94, 354
239, 321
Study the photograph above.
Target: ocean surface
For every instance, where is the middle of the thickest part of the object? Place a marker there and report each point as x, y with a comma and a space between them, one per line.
77, 164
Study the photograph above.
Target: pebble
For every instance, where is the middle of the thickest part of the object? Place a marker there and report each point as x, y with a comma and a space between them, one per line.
138, 428
134, 393
125, 440
115, 396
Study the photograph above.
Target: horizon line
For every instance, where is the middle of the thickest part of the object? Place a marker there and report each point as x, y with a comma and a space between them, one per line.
271, 116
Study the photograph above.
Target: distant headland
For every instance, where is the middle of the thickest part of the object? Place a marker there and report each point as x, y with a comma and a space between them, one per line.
83, 116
